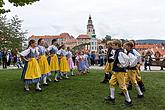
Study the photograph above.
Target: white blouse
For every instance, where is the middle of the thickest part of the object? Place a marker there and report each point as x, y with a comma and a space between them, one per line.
123, 59
27, 51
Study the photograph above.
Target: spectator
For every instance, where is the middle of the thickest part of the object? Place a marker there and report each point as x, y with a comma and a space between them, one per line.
148, 60
157, 56
9, 57
0, 57
93, 58
96, 58
89, 57
4, 57
101, 58
14, 54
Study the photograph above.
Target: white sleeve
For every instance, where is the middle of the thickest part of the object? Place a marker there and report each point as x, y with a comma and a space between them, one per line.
49, 48
59, 52
37, 51
137, 54
132, 60
123, 59
25, 52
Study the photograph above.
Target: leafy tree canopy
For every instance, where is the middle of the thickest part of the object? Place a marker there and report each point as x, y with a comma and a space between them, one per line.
15, 3
11, 34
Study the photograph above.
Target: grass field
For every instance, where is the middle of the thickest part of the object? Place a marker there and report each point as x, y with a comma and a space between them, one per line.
78, 93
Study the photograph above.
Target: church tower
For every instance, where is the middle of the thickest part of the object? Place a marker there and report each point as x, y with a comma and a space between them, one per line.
90, 27
92, 35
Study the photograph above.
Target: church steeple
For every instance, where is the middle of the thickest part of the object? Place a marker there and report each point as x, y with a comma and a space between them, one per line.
90, 27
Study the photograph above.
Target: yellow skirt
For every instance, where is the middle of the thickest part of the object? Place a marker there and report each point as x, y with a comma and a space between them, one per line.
108, 67
44, 66
64, 66
33, 70
54, 64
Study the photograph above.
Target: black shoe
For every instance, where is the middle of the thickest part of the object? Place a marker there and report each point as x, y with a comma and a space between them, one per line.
121, 93
45, 84
129, 87
38, 90
104, 81
26, 90
140, 96
109, 99
128, 103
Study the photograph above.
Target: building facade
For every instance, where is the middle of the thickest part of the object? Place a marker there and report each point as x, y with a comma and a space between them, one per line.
63, 38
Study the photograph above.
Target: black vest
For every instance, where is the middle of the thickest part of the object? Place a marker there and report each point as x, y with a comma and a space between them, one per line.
109, 55
116, 61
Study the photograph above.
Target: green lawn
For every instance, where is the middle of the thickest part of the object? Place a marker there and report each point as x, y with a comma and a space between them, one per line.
77, 93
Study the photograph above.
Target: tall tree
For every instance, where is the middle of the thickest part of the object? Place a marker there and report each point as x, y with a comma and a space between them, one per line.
15, 3
11, 34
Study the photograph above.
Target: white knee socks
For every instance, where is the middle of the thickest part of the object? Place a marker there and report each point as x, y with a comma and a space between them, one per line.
27, 87
138, 90
127, 97
44, 80
38, 86
112, 93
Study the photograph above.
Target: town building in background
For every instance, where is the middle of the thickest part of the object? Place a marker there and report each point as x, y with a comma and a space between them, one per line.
88, 40
63, 38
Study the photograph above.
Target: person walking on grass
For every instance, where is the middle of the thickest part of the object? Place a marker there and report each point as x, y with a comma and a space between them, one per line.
132, 69
43, 63
121, 61
31, 73
64, 66
70, 60
53, 60
109, 64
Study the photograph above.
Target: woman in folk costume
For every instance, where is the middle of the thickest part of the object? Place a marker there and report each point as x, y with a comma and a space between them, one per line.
64, 66
80, 63
109, 63
121, 61
53, 59
70, 61
31, 71
43, 63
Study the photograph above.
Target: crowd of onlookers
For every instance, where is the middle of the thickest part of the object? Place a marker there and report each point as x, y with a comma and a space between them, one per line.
10, 57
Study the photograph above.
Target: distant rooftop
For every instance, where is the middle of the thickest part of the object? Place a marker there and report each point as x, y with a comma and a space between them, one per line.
150, 41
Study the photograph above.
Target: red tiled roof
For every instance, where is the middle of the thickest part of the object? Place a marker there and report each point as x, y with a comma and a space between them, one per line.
46, 36
65, 34
83, 37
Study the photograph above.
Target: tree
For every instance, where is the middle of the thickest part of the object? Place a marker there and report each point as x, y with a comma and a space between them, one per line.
15, 3
11, 34
108, 37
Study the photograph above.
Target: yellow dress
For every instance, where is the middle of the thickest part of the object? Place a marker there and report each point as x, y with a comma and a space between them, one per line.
54, 64
43, 64
33, 70
64, 66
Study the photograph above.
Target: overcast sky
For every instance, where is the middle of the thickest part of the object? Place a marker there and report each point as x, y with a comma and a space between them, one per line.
131, 19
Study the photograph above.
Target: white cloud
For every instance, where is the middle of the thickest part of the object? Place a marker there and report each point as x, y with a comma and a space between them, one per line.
125, 18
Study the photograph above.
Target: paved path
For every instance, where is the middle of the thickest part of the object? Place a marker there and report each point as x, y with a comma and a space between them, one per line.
153, 68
